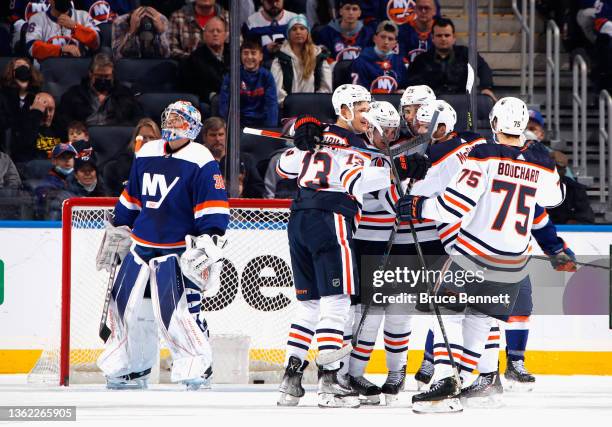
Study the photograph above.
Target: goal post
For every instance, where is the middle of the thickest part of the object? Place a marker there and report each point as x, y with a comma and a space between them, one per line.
255, 301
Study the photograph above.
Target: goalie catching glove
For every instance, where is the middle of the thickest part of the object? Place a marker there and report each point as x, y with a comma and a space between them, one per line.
116, 242
201, 262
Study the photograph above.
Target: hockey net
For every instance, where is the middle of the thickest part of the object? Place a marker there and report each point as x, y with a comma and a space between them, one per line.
255, 301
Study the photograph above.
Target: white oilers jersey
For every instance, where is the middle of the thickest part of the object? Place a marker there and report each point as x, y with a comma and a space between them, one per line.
500, 186
447, 158
44, 27
339, 170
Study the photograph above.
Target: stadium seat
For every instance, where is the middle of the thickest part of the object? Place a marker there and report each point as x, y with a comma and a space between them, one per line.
460, 104
105, 31
4, 60
108, 141
317, 104
148, 75
153, 104
342, 73
393, 98
62, 73
261, 148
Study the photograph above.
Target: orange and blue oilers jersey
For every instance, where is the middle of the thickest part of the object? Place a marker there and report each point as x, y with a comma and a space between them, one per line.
172, 194
379, 75
494, 195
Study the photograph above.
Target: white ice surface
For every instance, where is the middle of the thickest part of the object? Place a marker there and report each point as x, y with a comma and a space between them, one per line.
579, 401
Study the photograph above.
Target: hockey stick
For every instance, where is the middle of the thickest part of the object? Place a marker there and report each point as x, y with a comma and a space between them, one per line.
469, 86
581, 264
401, 148
384, 261
104, 331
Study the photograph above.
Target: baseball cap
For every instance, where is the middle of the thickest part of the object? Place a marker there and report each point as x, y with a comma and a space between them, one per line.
81, 162
537, 117
62, 148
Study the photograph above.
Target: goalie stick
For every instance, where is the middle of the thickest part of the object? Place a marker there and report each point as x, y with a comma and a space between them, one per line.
104, 331
407, 147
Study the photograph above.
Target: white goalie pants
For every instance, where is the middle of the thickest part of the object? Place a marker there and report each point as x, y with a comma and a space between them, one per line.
134, 321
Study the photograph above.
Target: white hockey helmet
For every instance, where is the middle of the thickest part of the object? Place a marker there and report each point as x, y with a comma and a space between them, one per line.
446, 115
349, 95
509, 115
383, 116
191, 121
417, 95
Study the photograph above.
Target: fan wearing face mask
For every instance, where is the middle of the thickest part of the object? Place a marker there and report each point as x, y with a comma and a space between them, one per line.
61, 31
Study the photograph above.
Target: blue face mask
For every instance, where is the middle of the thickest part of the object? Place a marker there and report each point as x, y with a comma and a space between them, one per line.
381, 53
64, 171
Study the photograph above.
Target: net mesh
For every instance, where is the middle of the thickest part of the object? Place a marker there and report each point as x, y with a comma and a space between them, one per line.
256, 297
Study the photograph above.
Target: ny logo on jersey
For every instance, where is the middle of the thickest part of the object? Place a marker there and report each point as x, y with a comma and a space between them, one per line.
150, 184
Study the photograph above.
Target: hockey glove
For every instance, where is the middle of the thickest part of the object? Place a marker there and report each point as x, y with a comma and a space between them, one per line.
413, 166
410, 207
116, 242
308, 133
563, 260
201, 262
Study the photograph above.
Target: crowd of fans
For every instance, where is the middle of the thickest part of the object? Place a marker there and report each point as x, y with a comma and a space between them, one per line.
287, 47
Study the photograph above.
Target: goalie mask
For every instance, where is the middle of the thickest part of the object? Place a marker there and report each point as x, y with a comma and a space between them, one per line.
180, 120
385, 122
446, 116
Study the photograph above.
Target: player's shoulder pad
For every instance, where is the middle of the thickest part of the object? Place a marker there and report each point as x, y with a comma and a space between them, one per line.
151, 149
469, 137
195, 153
540, 158
491, 150
439, 150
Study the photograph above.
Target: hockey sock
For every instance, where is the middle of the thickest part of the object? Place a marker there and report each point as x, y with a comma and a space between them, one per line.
397, 336
334, 312
453, 325
517, 334
429, 346
302, 330
476, 328
360, 356
490, 357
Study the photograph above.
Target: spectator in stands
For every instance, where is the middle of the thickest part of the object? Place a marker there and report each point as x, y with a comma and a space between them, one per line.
258, 101
38, 133
54, 188
77, 131
100, 100
117, 170
211, 59
85, 182
346, 36
9, 177
19, 84
113, 8
378, 69
300, 66
268, 26
142, 33
444, 68
187, 26
575, 208
214, 137
61, 31
415, 37
401, 12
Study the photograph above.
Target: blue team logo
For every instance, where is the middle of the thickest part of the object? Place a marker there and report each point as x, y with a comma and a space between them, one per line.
348, 53
400, 11
383, 84
101, 12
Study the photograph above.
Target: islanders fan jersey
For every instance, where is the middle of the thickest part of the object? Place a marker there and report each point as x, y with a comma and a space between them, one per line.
341, 46
45, 37
413, 42
379, 75
171, 194
495, 193
259, 27
343, 171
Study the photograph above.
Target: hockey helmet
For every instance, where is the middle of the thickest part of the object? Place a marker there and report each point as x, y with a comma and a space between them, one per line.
446, 115
417, 95
188, 125
349, 95
509, 115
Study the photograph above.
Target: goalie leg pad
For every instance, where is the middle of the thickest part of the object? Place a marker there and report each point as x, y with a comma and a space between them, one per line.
188, 345
132, 345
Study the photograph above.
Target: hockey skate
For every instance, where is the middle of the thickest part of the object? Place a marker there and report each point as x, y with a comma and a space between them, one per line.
369, 392
424, 374
291, 386
442, 397
485, 392
393, 385
517, 376
200, 383
332, 394
133, 381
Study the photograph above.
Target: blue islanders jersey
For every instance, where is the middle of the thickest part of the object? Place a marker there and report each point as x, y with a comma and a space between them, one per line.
341, 46
171, 194
379, 75
413, 42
